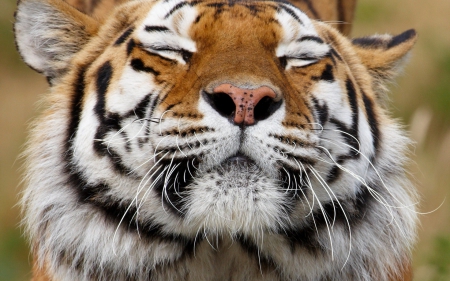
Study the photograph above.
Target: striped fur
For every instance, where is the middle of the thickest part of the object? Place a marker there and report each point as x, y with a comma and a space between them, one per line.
338, 13
137, 170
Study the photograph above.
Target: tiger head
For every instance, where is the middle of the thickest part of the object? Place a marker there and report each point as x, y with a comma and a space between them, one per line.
213, 118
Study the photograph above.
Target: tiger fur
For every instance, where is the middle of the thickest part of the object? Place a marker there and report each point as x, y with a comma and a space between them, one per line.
213, 140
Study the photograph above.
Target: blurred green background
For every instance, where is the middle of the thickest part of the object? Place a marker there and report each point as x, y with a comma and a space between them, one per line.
420, 98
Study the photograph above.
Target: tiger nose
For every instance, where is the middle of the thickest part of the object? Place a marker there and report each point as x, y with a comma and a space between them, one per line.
243, 106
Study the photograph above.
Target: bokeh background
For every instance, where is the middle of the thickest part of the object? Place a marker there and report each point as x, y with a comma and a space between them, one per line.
420, 98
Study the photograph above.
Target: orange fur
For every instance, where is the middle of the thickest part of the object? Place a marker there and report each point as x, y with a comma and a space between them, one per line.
339, 13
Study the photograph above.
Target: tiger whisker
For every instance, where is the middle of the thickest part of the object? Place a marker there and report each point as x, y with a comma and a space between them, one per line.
311, 207
109, 141
153, 119
355, 138
327, 221
154, 165
175, 185
296, 184
168, 174
326, 186
327, 190
156, 147
142, 164
179, 149
289, 180
314, 123
337, 22
176, 139
118, 226
295, 146
135, 199
376, 171
207, 240
198, 139
142, 186
189, 170
196, 168
152, 184
161, 118
195, 238
373, 192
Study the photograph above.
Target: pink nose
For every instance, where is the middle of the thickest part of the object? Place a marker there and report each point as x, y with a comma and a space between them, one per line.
245, 101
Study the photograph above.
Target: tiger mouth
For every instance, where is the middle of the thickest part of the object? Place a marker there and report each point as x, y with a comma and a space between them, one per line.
239, 160
240, 165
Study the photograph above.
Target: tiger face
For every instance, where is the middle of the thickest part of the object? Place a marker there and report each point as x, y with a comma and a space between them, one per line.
189, 137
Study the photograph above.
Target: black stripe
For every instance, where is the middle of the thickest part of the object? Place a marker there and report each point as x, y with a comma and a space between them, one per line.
399, 39
322, 111
126, 143
352, 97
310, 38
142, 107
75, 114
335, 171
115, 210
153, 105
346, 135
334, 53
138, 65
104, 75
377, 42
103, 79
292, 13
130, 46
218, 6
108, 122
172, 106
370, 42
373, 122
327, 74
124, 36
350, 134
154, 28
174, 9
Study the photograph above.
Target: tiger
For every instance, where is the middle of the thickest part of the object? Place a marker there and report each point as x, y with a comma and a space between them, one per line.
214, 140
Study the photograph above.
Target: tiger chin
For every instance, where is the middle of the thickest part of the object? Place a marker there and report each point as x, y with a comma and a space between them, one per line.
214, 140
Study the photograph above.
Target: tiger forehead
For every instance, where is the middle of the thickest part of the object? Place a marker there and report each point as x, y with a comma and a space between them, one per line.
266, 21
244, 20
239, 9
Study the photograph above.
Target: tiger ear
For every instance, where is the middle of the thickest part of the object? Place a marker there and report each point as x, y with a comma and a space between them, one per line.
384, 55
49, 32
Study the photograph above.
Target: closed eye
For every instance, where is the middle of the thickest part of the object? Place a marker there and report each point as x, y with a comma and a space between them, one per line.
299, 61
169, 52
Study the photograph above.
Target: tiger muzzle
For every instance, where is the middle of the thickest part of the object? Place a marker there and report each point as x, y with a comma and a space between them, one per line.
244, 107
